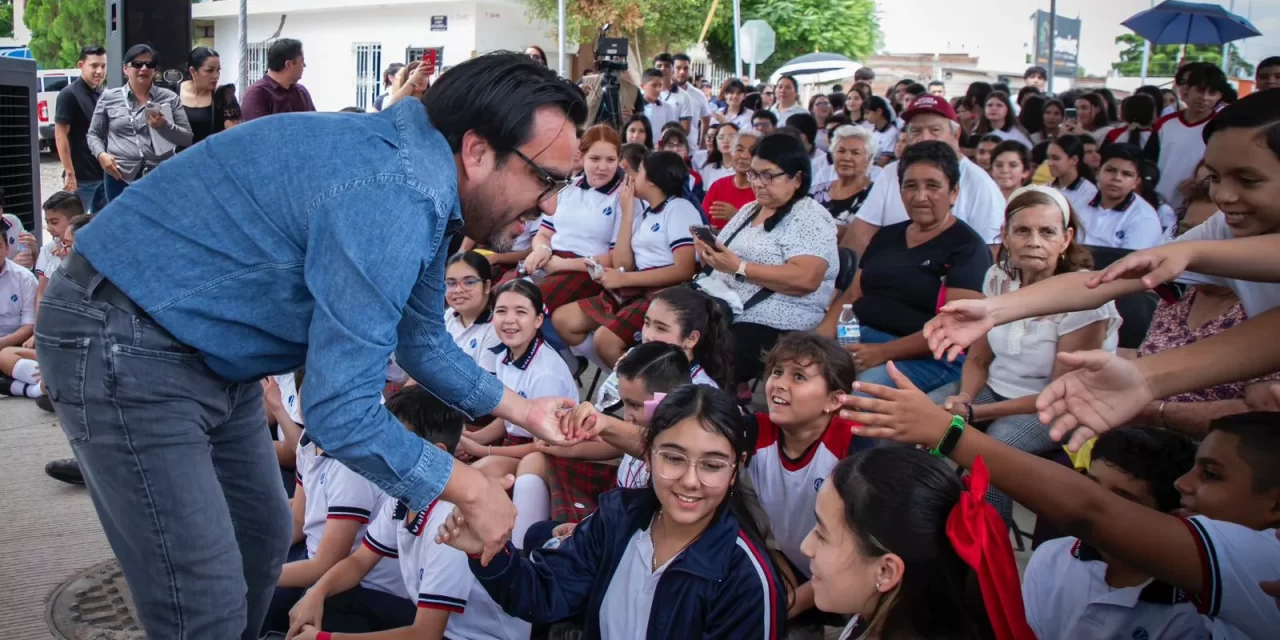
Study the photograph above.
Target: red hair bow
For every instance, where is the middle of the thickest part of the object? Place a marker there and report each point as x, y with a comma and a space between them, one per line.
981, 539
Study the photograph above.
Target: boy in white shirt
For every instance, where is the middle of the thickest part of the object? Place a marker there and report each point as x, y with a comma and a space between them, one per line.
1072, 590
17, 304
1118, 216
450, 603
658, 111
1177, 139
59, 210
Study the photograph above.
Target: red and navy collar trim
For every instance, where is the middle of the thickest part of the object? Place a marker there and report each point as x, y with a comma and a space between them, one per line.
607, 188
529, 354
306, 441
1156, 592
1124, 205
483, 318
660, 207
419, 521
1073, 186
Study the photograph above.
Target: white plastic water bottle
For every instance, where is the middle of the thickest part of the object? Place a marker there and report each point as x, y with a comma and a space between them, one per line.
848, 331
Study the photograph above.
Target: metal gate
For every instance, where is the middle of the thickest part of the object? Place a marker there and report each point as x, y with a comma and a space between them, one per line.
368, 73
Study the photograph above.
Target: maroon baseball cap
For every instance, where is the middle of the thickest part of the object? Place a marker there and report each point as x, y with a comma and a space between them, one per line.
929, 104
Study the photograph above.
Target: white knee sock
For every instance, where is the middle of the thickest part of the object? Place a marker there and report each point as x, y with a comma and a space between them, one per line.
533, 505
27, 371
23, 390
588, 350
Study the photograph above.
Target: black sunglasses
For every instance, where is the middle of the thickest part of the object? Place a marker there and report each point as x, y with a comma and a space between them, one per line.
138, 64
554, 185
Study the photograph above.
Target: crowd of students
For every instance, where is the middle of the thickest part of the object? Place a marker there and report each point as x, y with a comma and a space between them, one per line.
696, 254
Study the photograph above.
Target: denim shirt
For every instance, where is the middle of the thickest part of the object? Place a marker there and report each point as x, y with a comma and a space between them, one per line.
329, 230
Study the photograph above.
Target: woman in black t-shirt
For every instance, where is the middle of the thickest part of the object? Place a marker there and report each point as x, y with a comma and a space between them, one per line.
210, 108
910, 269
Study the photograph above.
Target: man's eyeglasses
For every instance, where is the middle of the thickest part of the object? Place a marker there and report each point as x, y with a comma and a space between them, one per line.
138, 64
554, 184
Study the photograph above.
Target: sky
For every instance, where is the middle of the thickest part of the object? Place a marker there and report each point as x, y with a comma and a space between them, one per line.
1000, 32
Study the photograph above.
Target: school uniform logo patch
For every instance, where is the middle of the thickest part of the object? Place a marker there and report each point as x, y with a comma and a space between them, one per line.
817, 484
13, 298
655, 227
1140, 634
1120, 234
608, 211
522, 395
473, 343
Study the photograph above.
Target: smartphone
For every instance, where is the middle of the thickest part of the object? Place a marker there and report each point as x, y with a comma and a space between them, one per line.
704, 233
429, 58
1070, 114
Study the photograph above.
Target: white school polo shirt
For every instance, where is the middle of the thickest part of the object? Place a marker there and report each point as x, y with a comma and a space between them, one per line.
659, 231
788, 489
478, 340
539, 373
627, 603
46, 262
1078, 193
585, 218
289, 397
1233, 560
1181, 148
1132, 224
660, 113
698, 108
1256, 297
438, 576
17, 297
524, 241
980, 203
1066, 596
335, 492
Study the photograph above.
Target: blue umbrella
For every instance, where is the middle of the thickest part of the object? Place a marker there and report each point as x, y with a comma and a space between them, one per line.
1177, 22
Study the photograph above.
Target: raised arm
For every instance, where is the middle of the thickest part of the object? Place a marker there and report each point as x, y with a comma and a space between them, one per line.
1250, 259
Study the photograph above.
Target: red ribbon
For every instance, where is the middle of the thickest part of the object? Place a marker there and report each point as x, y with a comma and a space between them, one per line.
981, 539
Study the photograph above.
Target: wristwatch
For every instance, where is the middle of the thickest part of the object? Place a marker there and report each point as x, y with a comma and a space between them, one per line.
741, 274
950, 438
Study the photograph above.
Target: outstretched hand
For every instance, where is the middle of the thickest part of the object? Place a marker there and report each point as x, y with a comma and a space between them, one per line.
1153, 266
958, 325
542, 419
903, 415
1102, 392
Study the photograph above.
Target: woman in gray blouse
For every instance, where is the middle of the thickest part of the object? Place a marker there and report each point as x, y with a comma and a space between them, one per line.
783, 243
137, 126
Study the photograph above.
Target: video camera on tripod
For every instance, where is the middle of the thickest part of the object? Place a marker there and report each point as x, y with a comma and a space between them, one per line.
611, 59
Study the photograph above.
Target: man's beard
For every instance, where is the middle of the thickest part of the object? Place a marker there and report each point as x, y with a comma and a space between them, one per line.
484, 225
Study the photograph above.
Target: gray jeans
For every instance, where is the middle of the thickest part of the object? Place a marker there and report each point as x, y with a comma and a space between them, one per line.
178, 462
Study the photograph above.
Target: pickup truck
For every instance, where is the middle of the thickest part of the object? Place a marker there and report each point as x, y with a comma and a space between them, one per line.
48, 83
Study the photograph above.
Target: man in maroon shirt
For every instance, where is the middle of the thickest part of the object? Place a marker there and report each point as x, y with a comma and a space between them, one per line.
278, 91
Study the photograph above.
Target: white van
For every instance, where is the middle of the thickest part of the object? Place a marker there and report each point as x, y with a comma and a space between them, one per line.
48, 83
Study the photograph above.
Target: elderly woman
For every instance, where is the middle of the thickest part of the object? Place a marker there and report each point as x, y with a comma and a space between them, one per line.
911, 268
726, 196
778, 254
852, 150
1006, 370
136, 127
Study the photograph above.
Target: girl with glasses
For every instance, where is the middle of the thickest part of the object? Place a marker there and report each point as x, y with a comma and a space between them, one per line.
680, 558
469, 318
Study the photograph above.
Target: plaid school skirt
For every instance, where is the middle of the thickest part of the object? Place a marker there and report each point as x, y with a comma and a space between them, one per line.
576, 486
509, 440
624, 318
563, 287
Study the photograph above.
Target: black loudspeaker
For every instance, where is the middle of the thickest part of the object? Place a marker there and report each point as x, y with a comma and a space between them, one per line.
19, 143
163, 24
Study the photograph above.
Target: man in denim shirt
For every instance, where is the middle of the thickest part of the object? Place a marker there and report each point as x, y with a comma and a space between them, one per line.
316, 237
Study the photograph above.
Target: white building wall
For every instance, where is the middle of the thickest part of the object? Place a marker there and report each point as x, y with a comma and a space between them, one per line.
329, 36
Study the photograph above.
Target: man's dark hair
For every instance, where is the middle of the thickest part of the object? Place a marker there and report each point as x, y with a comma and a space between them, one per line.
1259, 447
767, 114
680, 57
937, 83
64, 203
1260, 109
651, 73
916, 89
1273, 61
1000, 86
837, 88
664, 57
1122, 151
1156, 456
351, 110
667, 171
1207, 77
934, 152
427, 416
282, 51
496, 95
806, 124
1035, 71
864, 74
92, 50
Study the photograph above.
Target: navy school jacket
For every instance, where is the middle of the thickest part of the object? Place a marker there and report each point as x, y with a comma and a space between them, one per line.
722, 586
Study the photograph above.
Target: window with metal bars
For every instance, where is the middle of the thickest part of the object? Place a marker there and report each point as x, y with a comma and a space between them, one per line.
17, 176
368, 73
257, 60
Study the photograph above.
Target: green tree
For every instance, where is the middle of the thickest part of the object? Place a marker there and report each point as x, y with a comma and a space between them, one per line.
848, 27
652, 25
6, 18
1164, 58
60, 27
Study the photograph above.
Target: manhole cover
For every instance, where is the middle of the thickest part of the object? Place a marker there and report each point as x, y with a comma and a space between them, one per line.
95, 604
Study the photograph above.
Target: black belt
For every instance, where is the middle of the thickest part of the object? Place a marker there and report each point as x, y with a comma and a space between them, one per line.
78, 270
